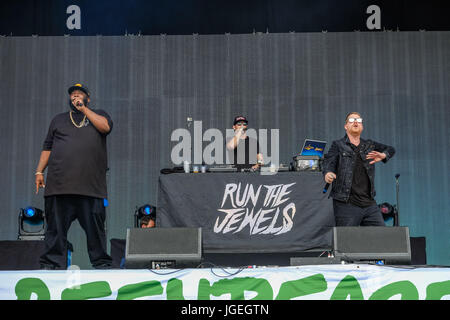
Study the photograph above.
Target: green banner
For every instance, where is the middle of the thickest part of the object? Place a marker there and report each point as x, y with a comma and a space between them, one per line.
330, 282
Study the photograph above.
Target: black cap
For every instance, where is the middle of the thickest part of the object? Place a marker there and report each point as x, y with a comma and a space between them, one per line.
240, 119
79, 86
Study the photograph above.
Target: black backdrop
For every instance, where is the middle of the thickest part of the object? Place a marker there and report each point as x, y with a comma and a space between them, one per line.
182, 17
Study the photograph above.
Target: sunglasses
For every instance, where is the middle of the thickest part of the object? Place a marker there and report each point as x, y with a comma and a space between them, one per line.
241, 124
359, 120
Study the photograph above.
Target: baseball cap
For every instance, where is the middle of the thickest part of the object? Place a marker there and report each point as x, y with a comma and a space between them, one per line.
79, 86
240, 119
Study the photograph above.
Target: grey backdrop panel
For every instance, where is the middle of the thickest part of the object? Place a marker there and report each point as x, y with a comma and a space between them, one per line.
304, 84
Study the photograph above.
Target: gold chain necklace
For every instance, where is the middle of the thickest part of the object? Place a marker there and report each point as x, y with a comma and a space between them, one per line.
77, 125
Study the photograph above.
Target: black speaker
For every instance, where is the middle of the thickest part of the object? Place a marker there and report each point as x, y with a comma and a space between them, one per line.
24, 255
21, 255
358, 244
158, 248
418, 250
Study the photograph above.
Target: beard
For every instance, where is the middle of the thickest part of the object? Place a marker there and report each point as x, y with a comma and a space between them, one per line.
74, 109
352, 130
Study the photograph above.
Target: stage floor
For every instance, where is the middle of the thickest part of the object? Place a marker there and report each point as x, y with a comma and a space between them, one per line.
318, 282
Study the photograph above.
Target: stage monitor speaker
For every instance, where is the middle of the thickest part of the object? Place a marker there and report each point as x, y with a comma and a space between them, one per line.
25, 255
358, 244
159, 248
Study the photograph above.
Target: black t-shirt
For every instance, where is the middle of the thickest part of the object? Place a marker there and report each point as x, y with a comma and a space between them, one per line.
78, 158
244, 155
360, 194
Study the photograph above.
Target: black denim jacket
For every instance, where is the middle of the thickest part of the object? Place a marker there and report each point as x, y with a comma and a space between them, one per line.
340, 160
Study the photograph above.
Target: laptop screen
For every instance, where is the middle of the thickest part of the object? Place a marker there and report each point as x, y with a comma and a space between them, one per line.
313, 148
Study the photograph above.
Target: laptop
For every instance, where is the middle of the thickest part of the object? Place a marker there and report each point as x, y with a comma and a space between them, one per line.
313, 148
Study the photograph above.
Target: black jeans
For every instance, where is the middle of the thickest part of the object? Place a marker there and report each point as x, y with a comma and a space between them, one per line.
348, 215
60, 212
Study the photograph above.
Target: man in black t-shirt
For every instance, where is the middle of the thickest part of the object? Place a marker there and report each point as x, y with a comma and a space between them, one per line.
75, 153
244, 150
349, 165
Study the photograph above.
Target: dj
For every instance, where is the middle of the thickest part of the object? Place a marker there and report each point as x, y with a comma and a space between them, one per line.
243, 149
349, 165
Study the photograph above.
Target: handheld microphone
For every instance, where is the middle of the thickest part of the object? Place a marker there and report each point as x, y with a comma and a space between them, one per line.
396, 220
325, 188
82, 103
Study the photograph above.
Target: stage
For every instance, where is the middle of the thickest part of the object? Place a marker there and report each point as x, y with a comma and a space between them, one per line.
314, 282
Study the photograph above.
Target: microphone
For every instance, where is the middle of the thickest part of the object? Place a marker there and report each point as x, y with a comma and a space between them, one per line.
396, 220
325, 188
79, 104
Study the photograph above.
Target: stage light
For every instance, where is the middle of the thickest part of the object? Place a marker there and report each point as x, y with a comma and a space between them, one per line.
389, 211
31, 224
144, 211
147, 210
32, 213
29, 212
386, 208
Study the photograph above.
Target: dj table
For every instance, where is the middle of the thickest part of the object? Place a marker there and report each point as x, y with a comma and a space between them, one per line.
249, 212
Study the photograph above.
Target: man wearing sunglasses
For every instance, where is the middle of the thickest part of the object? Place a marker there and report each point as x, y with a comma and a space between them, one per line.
350, 166
243, 149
